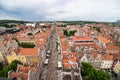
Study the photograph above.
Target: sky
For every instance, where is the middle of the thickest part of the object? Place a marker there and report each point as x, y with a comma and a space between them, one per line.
52, 10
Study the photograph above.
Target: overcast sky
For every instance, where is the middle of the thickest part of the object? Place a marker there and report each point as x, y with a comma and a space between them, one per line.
35, 10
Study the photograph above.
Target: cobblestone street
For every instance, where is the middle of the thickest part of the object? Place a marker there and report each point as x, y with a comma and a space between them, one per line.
50, 71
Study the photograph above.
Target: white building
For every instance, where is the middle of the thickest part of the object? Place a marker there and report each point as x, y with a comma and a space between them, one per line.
30, 24
96, 60
107, 61
116, 68
84, 58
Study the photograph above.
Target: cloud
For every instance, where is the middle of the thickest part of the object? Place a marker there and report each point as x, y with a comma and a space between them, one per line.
102, 10
8, 17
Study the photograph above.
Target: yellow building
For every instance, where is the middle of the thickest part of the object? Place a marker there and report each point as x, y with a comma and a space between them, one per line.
25, 55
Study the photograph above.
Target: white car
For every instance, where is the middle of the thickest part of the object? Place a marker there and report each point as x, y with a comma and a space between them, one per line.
59, 65
46, 61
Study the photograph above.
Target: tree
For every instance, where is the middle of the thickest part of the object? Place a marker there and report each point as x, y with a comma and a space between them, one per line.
1, 66
72, 33
97, 28
27, 45
103, 75
85, 69
29, 34
98, 75
91, 73
63, 25
6, 69
66, 33
13, 65
1, 73
44, 26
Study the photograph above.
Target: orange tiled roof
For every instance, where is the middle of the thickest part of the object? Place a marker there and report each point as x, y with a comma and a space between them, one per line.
65, 55
65, 46
73, 59
107, 57
112, 47
63, 39
95, 54
28, 51
24, 38
65, 60
117, 56
75, 53
103, 39
66, 66
97, 47
81, 38
24, 76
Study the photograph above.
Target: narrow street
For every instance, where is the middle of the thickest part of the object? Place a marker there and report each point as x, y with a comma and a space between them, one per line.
52, 65
50, 71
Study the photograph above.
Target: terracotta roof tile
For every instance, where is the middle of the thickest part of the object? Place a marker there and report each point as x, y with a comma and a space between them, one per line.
112, 47
66, 66
65, 60
103, 39
107, 57
24, 76
81, 38
28, 51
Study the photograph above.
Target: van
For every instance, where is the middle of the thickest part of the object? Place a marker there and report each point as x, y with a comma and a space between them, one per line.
59, 65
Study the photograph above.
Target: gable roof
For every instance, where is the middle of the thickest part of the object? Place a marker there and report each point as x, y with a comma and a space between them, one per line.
24, 76
103, 39
107, 57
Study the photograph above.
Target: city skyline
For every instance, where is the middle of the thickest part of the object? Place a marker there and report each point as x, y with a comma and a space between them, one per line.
47, 10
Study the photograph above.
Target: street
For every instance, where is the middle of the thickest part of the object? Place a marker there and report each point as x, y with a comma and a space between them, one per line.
50, 71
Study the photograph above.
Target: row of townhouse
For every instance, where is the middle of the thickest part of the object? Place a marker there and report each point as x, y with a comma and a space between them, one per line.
97, 49
23, 72
98, 61
107, 49
28, 56
70, 62
92, 53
